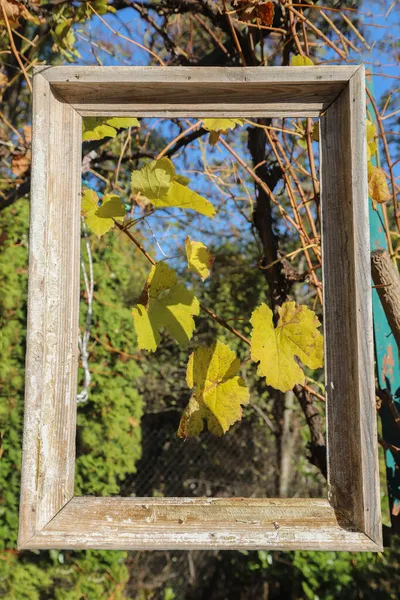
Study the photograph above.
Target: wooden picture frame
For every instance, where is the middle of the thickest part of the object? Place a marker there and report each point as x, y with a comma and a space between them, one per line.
50, 515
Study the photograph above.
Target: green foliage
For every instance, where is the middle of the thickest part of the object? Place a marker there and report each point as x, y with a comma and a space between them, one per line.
109, 440
109, 422
13, 285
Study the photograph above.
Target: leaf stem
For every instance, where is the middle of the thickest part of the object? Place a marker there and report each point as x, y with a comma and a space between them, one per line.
224, 324
217, 319
135, 241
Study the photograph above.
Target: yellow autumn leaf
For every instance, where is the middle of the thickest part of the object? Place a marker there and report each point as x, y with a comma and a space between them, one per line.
296, 334
183, 197
154, 180
159, 183
301, 61
98, 128
371, 130
218, 391
378, 188
221, 125
371, 135
100, 219
164, 304
218, 126
200, 260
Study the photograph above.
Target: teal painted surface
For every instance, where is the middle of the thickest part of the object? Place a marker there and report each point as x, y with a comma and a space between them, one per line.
388, 370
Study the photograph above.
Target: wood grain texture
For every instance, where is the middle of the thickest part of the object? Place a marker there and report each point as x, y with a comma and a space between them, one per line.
194, 92
50, 516
353, 473
387, 281
202, 523
53, 311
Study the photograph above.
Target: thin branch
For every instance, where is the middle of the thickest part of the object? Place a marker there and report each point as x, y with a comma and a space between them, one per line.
13, 46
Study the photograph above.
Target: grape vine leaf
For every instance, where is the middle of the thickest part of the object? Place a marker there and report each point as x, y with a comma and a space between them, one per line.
378, 188
200, 260
100, 219
296, 334
123, 122
218, 391
182, 179
159, 183
301, 61
371, 143
218, 126
64, 38
164, 303
182, 197
154, 180
221, 125
98, 128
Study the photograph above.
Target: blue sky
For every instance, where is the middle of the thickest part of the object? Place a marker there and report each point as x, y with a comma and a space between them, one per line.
381, 28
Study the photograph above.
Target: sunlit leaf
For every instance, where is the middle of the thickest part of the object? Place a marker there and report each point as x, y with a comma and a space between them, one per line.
154, 180
182, 197
123, 122
301, 61
98, 128
218, 391
378, 188
164, 304
371, 130
64, 38
200, 260
296, 334
182, 179
371, 143
99, 218
158, 182
112, 206
221, 124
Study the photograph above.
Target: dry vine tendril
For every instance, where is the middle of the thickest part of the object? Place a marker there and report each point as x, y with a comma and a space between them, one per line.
165, 303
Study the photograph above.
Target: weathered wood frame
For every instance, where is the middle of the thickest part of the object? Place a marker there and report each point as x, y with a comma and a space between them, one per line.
50, 515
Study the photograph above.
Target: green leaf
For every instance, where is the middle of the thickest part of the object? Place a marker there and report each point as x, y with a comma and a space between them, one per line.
99, 219
182, 179
98, 128
301, 61
183, 197
154, 180
112, 206
221, 125
218, 391
200, 260
164, 303
123, 122
95, 128
296, 334
158, 182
